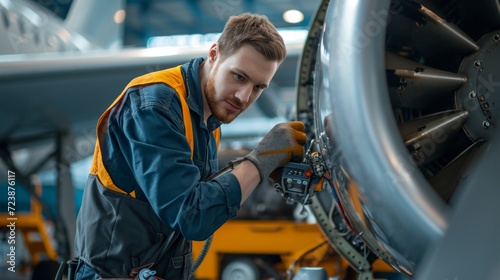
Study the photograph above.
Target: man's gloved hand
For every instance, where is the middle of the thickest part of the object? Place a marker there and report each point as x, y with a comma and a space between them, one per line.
276, 149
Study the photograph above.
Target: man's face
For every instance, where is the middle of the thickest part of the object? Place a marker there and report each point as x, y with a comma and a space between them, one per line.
236, 81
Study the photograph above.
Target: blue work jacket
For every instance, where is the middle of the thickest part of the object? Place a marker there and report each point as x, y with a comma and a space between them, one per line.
144, 150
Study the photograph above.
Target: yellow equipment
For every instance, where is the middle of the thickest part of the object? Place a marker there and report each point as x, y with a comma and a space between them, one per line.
33, 229
254, 249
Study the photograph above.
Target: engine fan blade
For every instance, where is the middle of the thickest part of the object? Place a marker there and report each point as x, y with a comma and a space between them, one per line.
427, 138
414, 85
446, 181
416, 30
450, 32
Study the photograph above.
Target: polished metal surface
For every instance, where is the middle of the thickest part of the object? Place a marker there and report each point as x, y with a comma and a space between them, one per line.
469, 249
403, 99
387, 200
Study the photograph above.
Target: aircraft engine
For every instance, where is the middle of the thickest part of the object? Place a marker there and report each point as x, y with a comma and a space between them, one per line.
403, 98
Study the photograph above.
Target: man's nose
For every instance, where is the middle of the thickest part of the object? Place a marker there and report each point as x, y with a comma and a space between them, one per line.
244, 93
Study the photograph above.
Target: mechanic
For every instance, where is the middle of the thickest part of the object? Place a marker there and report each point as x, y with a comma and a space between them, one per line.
147, 194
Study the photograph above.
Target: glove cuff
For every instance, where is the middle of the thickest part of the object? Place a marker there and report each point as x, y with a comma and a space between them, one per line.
257, 164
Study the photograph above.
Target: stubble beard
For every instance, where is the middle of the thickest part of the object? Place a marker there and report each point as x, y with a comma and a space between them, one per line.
219, 112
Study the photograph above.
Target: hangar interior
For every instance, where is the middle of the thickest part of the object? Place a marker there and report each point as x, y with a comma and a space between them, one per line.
399, 98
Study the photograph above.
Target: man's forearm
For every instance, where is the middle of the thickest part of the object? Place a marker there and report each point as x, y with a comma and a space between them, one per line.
248, 176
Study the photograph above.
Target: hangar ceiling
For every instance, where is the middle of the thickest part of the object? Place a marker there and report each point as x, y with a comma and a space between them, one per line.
150, 18
146, 18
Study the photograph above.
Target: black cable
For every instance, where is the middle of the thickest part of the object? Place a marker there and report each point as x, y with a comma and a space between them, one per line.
206, 245
203, 253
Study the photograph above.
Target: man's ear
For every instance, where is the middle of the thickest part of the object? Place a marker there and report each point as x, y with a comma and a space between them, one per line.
213, 52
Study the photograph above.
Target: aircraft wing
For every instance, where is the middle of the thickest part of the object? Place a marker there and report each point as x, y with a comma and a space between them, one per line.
46, 93
62, 91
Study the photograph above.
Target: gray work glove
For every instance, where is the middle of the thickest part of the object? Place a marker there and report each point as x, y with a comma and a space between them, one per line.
276, 149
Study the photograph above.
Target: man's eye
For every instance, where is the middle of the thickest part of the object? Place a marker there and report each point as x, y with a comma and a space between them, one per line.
239, 77
259, 88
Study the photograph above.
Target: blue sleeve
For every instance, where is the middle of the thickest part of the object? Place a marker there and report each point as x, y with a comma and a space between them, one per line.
158, 153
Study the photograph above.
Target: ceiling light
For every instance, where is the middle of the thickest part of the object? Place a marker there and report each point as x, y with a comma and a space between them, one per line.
293, 16
119, 16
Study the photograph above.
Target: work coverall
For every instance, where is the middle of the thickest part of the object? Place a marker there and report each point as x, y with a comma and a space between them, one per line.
146, 198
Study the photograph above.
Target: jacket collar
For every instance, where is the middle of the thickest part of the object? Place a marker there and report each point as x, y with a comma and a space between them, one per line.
191, 74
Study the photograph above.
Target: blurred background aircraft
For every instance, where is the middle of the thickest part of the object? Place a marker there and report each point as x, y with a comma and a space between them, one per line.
62, 63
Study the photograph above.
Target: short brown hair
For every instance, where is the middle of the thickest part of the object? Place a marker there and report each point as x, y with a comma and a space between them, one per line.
255, 30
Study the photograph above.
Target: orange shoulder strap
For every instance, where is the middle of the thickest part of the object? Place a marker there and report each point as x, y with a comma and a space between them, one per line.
172, 77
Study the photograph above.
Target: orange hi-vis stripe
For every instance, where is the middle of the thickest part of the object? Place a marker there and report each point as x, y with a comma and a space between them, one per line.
171, 77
